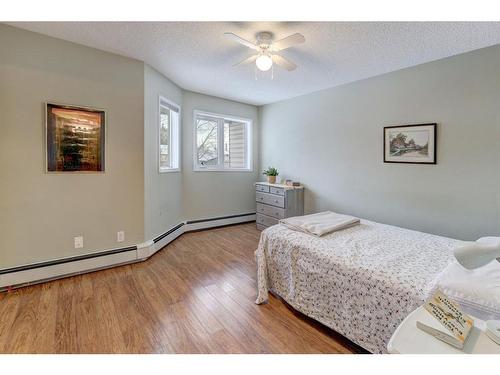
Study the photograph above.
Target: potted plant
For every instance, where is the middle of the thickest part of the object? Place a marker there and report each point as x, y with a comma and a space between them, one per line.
271, 174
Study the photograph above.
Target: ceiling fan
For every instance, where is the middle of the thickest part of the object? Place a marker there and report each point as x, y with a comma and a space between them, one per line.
267, 50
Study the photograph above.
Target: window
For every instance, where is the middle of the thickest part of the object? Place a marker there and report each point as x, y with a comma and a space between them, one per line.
169, 136
222, 143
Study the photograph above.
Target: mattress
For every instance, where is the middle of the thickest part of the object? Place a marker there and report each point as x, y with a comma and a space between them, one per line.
361, 282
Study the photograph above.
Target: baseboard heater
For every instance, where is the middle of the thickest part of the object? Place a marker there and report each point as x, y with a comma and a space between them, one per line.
35, 273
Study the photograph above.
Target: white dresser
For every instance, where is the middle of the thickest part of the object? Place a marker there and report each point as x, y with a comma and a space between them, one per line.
276, 201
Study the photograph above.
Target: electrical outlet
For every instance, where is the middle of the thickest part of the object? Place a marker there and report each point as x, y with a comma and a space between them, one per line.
78, 242
120, 236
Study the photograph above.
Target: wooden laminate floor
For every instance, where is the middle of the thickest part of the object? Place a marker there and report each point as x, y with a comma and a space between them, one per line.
194, 296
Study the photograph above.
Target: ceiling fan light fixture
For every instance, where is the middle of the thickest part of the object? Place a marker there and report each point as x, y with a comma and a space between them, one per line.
264, 62
267, 50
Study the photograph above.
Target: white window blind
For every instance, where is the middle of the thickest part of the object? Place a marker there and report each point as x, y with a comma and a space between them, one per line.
221, 142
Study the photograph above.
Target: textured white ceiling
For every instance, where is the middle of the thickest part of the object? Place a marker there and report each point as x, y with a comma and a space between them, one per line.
198, 57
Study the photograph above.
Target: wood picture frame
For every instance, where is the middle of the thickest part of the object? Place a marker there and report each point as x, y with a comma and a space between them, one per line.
75, 138
411, 144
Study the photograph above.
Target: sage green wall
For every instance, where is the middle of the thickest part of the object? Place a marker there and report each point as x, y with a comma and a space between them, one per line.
214, 194
163, 191
331, 141
40, 213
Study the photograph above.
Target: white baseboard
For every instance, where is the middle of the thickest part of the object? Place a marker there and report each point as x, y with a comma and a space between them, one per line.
42, 272
145, 250
46, 273
160, 244
212, 223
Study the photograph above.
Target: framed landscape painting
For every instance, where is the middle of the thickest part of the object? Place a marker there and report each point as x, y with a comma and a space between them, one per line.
414, 144
75, 138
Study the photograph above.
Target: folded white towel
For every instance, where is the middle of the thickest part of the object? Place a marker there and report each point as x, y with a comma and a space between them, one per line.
320, 223
476, 291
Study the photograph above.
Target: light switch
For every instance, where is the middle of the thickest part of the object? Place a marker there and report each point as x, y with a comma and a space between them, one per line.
78, 242
120, 236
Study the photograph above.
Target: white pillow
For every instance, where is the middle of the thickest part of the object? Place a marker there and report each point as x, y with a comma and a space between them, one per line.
477, 291
489, 240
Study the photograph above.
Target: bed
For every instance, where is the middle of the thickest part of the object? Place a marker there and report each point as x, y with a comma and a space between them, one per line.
361, 281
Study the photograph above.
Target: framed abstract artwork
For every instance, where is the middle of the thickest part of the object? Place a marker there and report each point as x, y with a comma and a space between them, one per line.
75, 138
414, 144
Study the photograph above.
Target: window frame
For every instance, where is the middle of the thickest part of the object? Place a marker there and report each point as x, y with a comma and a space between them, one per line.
174, 138
220, 142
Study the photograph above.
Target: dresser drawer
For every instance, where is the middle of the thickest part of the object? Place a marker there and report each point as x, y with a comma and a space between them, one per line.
278, 191
266, 220
273, 200
276, 212
263, 188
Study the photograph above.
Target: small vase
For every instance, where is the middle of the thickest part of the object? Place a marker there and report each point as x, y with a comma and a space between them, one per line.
271, 179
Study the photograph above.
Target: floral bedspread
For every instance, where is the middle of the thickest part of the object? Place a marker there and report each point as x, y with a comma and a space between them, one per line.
361, 281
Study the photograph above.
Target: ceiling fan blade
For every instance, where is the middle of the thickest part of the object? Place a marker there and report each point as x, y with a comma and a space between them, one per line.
281, 61
240, 40
247, 60
288, 42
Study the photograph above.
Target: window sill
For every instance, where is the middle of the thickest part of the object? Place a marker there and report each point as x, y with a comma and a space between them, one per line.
221, 170
169, 170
